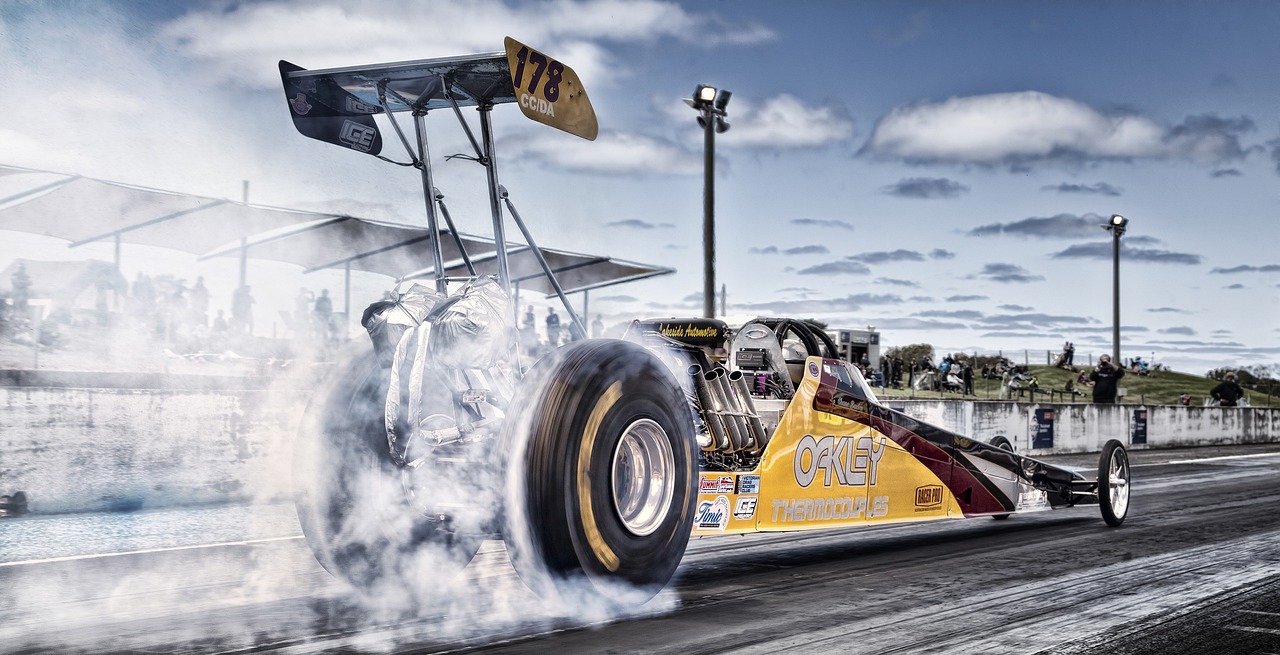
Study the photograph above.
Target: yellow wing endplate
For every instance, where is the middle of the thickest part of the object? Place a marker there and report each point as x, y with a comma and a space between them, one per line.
550, 92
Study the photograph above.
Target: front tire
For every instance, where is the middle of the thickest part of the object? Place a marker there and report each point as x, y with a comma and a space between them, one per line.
1113, 483
600, 499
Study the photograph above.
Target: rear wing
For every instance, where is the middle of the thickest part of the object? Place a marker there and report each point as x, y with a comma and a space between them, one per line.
337, 105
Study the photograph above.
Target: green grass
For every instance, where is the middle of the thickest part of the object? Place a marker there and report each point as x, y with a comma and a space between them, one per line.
1160, 388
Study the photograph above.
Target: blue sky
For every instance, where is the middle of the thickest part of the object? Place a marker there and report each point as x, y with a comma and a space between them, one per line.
937, 169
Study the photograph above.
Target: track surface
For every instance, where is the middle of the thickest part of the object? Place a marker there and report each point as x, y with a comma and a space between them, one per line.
1195, 569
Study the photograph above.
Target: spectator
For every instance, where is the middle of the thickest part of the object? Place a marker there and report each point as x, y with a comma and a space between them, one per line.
529, 318
966, 376
553, 327
200, 302
21, 283
1228, 392
1185, 400
242, 310
219, 323
323, 314
597, 327
1105, 380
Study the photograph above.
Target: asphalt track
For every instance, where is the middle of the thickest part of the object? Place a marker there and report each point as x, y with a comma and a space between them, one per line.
1195, 569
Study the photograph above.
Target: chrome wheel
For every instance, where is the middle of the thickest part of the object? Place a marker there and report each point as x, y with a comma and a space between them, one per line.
1118, 482
643, 477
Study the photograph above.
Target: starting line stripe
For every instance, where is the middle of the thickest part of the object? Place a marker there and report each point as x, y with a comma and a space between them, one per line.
148, 551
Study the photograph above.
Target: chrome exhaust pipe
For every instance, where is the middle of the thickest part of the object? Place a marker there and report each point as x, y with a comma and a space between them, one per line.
723, 395
710, 412
748, 409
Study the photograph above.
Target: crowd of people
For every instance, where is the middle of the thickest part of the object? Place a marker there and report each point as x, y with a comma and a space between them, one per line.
556, 333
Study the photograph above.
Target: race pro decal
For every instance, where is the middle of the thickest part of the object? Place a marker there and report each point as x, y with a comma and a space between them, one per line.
712, 514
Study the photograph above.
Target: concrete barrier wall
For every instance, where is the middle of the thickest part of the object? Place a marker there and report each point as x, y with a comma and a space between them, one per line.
101, 442
89, 446
1081, 428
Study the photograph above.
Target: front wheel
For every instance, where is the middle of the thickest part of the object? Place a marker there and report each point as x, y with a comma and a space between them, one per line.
599, 488
1113, 483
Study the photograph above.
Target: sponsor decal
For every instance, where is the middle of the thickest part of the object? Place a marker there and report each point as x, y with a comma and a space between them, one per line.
357, 136
929, 496
688, 331
712, 514
799, 510
355, 106
813, 369
300, 104
726, 484
748, 484
745, 508
709, 485
851, 461
1033, 499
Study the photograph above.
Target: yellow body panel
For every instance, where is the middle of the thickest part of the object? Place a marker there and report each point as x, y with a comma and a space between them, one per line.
820, 471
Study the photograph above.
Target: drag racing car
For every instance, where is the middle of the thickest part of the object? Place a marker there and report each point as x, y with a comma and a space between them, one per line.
597, 462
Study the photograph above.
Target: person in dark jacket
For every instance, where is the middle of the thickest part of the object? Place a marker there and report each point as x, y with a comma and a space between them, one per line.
1228, 392
1105, 379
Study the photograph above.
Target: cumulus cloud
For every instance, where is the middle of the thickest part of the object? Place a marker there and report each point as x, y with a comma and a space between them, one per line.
1226, 172
1237, 285
612, 153
850, 303
1181, 330
1029, 126
1061, 226
1014, 308
821, 222
1167, 310
1101, 189
784, 122
767, 250
1104, 251
842, 267
1008, 273
925, 187
241, 42
941, 253
965, 298
965, 314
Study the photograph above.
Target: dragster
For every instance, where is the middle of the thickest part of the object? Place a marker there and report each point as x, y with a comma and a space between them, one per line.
598, 462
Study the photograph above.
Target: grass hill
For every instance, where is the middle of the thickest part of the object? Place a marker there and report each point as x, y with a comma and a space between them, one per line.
1159, 388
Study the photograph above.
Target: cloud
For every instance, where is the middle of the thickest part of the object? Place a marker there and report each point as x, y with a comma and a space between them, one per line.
916, 26
965, 314
806, 250
1014, 308
1029, 126
622, 297
1038, 320
908, 323
1226, 172
820, 222
767, 250
1104, 251
241, 42
1246, 268
897, 282
1008, 273
1061, 226
783, 122
1101, 188
842, 267
639, 224
925, 187
1237, 285
941, 253
1181, 330
882, 257
850, 303
967, 298
612, 153
1168, 310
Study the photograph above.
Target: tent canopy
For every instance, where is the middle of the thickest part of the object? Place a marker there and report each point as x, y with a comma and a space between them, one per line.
574, 271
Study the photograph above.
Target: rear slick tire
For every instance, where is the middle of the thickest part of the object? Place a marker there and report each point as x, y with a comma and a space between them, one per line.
600, 499
1113, 483
352, 500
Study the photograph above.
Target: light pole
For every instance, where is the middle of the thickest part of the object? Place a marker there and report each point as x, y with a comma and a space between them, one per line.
1116, 226
710, 102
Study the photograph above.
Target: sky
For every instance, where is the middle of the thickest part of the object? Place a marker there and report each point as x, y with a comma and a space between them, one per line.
939, 170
